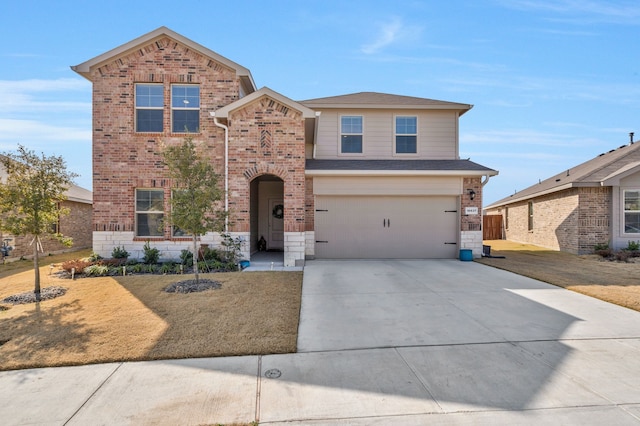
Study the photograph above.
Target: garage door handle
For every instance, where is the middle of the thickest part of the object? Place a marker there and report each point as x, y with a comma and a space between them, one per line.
452, 243
318, 241
389, 223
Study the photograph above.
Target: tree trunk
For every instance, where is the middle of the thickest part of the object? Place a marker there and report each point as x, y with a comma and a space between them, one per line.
36, 268
195, 258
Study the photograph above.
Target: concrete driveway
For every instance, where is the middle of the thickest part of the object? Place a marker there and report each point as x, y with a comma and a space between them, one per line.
438, 342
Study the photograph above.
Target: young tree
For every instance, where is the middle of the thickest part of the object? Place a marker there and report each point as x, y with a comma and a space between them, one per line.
30, 197
195, 199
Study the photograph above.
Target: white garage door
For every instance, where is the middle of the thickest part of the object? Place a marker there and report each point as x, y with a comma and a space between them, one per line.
386, 227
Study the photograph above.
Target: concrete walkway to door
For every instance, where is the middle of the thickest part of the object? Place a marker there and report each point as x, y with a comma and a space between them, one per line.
450, 342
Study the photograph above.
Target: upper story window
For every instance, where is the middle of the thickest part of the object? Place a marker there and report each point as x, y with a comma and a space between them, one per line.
149, 212
149, 107
406, 135
351, 134
632, 212
185, 108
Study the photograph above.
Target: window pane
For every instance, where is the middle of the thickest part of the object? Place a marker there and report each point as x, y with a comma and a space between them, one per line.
352, 124
406, 145
351, 143
149, 95
185, 121
149, 224
149, 120
149, 200
632, 200
406, 125
185, 96
632, 223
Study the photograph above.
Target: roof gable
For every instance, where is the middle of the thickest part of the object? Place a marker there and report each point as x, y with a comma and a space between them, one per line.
84, 69
367, 100
599, 171
263, 92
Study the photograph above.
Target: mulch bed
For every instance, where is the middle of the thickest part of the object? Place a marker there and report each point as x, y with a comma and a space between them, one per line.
193, 286
46, 293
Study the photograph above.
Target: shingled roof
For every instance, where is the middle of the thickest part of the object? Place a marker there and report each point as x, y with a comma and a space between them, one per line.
388, 166
365, 100
599, 171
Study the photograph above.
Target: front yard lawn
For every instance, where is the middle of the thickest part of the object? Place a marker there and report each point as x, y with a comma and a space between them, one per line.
615, 282
108, 319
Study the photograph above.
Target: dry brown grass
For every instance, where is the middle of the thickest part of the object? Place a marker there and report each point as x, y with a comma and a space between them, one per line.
131, 318
615, 282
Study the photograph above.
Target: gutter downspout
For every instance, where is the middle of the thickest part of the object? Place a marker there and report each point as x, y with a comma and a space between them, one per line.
226, 169
486, 180
315, 134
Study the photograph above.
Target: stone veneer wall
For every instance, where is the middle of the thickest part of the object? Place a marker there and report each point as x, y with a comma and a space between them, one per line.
471, 225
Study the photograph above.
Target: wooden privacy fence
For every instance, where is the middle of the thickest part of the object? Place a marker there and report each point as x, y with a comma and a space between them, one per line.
492, 227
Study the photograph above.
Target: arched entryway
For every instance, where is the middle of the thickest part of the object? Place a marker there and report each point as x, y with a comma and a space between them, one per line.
267, 215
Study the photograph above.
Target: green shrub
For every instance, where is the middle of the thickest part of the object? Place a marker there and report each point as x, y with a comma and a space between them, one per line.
119, 253
94, 257
209, 254
186, 258
151, 255
96, 270
137, 268
168, 268
633, 245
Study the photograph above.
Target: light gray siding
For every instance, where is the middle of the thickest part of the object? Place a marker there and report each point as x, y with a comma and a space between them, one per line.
437, 134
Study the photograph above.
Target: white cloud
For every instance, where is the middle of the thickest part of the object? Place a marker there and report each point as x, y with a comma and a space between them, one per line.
52, 96
40, 85
16, 131
391, 33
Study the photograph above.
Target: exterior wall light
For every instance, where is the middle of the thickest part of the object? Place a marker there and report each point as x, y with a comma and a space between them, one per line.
472, 194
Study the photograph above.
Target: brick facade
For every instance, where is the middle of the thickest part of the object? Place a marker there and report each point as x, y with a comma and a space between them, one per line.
573, 220
124, 160
77, 225
266, 137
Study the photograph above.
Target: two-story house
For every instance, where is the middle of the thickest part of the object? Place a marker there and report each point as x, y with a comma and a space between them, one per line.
365, 175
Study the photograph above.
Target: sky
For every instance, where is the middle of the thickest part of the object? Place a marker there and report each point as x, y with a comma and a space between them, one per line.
553, 83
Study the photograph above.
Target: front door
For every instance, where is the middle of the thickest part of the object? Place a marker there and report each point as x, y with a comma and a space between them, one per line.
275, 240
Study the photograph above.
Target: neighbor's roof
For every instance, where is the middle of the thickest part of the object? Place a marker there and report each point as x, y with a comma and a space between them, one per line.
368, 100
398, 167
604, 170
74, 193
135, 44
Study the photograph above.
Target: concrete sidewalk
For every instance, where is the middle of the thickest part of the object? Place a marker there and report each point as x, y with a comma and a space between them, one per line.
387, 342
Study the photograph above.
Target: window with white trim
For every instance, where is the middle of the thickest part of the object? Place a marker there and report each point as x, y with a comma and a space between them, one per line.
149, 107
149, 212
632, 211
530, 208
351, 134
406, 134
185, 108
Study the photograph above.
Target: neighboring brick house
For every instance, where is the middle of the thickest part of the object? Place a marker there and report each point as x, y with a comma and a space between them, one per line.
593, 203
77, 225
366, 175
